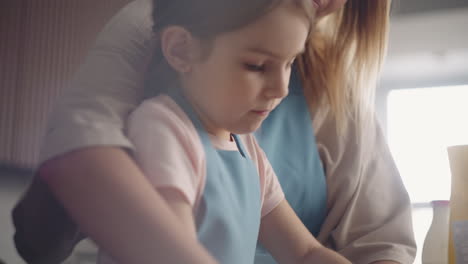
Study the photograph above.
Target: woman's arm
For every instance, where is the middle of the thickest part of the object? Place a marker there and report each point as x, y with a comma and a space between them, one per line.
111, 200
288, 240
369, 217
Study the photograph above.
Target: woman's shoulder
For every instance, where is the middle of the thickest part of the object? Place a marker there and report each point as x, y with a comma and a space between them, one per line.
136, 15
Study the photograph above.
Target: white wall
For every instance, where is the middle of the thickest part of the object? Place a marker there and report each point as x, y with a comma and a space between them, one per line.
427, 49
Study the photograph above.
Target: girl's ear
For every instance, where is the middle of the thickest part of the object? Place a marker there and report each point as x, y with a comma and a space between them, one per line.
177, 45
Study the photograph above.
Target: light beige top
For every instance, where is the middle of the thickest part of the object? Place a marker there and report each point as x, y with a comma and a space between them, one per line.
369, 215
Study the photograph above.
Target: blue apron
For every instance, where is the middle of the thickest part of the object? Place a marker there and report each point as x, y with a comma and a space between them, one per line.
287, 137
228, 218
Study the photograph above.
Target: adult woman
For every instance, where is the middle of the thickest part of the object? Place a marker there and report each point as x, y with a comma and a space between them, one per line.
367, 210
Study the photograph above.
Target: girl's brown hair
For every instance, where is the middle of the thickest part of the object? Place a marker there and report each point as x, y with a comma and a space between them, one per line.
204, 19
343, 59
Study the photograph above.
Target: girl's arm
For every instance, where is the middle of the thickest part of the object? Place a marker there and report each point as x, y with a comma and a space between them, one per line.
182, 209
282, 233
112, 201
288, 240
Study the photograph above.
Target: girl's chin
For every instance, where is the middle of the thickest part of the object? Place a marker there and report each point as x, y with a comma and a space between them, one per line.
246, 129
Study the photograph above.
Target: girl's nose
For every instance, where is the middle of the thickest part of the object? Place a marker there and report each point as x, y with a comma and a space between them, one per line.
278, 87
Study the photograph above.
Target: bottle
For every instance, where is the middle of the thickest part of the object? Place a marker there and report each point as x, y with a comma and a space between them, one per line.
435, 249
458, 237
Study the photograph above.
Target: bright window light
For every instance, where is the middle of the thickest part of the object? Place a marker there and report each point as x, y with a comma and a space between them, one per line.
422, 122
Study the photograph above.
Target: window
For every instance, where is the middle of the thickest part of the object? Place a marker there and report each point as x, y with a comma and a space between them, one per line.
422, 123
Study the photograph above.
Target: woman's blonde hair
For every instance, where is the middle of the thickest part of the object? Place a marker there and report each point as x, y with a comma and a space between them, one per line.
343, 58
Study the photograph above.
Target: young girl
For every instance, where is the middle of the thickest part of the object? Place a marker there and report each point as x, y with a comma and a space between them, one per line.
225, 66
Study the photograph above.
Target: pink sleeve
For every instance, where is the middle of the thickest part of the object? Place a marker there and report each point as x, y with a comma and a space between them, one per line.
272, 193
167, 147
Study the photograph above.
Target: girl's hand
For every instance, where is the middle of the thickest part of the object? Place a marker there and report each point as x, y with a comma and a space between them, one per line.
289, 241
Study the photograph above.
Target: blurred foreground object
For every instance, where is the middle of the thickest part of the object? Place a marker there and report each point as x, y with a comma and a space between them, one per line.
458, 237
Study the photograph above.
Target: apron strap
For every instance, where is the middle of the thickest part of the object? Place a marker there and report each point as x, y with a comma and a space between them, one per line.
180, 99
239, 145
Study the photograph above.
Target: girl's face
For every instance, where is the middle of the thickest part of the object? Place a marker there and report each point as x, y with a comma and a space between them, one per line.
325, 7
246, 73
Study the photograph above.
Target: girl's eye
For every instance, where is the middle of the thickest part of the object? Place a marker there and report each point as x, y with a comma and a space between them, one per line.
255, 67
